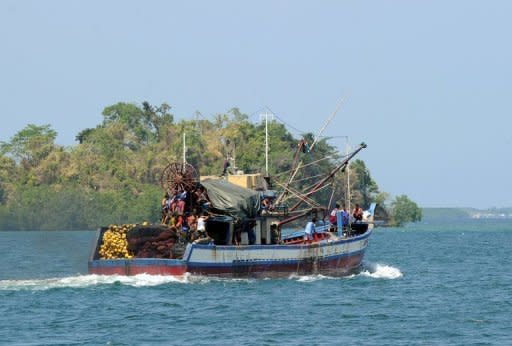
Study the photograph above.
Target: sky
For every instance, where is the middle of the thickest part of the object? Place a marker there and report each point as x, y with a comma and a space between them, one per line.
426, 84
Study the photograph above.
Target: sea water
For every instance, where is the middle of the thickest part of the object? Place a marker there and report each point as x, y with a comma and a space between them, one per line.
426, 284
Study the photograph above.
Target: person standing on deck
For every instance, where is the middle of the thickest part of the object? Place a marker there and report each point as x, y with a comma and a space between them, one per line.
181, 201
225, 167
345, 217
333, 220
358, 213
166, 207
310, 230
201, 222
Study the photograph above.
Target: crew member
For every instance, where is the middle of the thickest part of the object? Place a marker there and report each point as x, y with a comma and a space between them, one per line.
225, 167
310, 230
180, 204
166, 207
358, 213
345, 217
333, 220
201, 222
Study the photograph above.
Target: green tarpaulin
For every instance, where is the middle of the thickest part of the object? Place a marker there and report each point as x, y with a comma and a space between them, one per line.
232, 199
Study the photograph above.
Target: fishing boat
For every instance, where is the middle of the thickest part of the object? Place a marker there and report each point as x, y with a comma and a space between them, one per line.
247, 239
332, 255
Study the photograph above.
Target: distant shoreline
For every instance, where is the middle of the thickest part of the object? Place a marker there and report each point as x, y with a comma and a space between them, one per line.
469, 213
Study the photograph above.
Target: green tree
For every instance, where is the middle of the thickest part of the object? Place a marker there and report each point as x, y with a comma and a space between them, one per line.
364, 188
156, 118
83, 135
8, 174
404, 210
31, 144
130, 115
144, 123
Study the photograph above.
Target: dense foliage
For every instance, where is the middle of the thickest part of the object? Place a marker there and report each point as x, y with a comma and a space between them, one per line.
404, 210
112, 174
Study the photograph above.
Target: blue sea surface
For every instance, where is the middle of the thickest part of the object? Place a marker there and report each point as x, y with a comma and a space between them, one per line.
426, 284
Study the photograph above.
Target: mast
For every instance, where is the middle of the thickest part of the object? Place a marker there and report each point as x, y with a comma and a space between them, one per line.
184, 149
347, 197
234, 156
266, 143
266, 115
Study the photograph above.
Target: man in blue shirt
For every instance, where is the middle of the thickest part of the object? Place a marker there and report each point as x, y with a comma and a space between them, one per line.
310, 230
345, 216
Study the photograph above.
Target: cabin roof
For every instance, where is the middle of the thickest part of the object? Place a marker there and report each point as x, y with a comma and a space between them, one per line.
232, 199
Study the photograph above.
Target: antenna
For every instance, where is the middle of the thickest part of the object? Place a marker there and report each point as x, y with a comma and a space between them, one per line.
184, 149
266, 115
234, 156
347, 197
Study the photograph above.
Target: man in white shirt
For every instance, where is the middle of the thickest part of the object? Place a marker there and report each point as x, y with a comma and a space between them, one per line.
201, 222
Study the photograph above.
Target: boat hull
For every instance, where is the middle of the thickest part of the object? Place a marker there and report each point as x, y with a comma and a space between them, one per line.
336, 257
333, 267
331, 257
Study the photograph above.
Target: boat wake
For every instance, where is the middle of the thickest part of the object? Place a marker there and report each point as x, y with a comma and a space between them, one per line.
372, 270
311, 278
380, 271
84, 281
376, 271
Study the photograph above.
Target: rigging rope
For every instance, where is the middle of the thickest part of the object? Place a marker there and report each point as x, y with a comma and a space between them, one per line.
323, 187
306, 165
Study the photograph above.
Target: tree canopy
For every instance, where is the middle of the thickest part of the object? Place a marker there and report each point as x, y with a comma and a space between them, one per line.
404, 210
112, 174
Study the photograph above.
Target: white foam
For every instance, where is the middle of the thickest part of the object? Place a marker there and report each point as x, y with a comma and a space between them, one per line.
203, 279
141, 280
381, 271
309, 278
377, 271
82, 281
